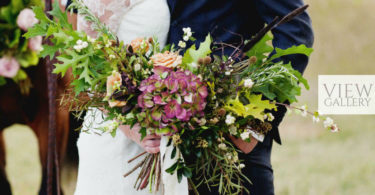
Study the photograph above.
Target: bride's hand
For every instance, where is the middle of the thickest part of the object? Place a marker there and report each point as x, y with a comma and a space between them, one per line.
150, 143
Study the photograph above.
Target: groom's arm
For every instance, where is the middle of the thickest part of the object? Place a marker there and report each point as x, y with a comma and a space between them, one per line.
295, 32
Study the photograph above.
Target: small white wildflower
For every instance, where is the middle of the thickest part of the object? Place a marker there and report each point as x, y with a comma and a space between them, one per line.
304, 111
230, 119
189, 34
227, 73
186, 30
334, 128
84, 44
202, 122
242, 166
248, 83
233, 130
328, 122
222, 146
78, 48
228, 156
269, 117
91, 40
186, 38
108, 44
181, 44
316, 119
79, 42
112, 56
137, 67
235, 157
245, 135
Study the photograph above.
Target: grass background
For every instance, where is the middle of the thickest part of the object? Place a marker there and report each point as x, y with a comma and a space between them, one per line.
311, 160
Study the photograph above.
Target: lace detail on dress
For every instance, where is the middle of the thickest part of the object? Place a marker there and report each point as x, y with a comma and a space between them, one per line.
109, 12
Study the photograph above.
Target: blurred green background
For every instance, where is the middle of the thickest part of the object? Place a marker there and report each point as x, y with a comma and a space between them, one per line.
311, 159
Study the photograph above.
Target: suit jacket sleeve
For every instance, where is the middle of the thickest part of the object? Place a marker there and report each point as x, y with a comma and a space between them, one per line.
297, 31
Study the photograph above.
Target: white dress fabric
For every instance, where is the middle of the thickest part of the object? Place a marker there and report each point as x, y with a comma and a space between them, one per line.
103, 158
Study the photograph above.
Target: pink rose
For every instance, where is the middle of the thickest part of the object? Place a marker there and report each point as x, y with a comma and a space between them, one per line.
26, 19
35, 43
9, 67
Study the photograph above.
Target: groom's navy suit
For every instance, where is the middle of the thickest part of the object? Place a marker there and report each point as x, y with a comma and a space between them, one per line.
225, 20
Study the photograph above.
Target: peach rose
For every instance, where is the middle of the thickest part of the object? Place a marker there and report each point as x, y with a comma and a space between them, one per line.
26, 19
112, 81
9, 67
35, 43
138, 43
167, 59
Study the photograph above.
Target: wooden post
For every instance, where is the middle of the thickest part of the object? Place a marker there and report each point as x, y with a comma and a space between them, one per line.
53, 175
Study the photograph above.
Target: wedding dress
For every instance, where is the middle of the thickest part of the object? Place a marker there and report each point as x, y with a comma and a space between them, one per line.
103, 158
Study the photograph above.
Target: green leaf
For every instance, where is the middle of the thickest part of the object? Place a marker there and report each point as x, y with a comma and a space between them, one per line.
68, 60
113, 133
187, 172
21, 75
37, 30
255, 107
27, 59
86, 73
79, 86
262, 48
301, 49
61, 17
2, 81
143, 132
40, 14
171, 169
49, 50
192, 55
16, 39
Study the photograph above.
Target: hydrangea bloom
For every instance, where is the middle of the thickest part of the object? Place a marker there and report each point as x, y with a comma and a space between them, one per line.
171, 96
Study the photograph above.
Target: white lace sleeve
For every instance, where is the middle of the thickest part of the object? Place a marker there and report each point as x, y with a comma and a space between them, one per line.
109, 12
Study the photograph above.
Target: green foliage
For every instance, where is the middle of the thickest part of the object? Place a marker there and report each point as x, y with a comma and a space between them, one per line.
279, 82
253, 105
191, 56
12, 43
301, 49
262, 48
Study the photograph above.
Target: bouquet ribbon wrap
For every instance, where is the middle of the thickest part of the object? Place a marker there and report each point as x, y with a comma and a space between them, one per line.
170, 182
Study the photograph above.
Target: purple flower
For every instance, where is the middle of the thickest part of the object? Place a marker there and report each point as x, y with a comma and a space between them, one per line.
172, 109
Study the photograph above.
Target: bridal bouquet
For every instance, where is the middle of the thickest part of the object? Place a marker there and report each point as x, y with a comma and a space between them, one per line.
194, 99
16, 52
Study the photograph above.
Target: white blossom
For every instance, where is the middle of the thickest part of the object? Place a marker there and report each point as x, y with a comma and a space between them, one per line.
334, 128
304, 111
245, 135
248, 83
242, 166
233, 130
112, 56
80, 45
222, 146
227, 73
230, 119
186, 38
316, 119
181, 44
137, 67
328, 122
